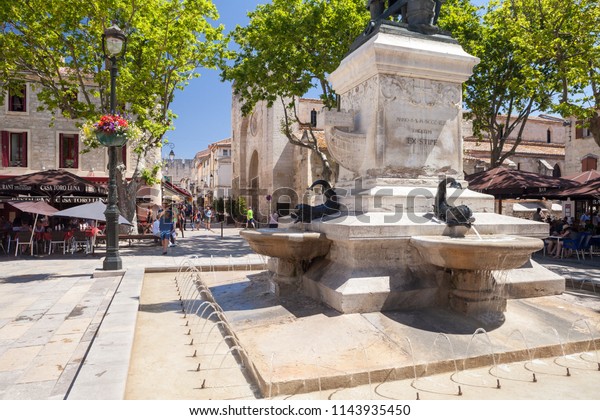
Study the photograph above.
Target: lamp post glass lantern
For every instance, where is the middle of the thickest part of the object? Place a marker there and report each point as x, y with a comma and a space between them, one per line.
113, 41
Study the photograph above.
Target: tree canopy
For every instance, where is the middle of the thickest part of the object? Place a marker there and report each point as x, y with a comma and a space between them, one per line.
58, 44
290, 47
536, 56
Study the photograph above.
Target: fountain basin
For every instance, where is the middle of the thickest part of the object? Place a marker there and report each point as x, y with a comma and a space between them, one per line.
490, 252
289, 250
287, 244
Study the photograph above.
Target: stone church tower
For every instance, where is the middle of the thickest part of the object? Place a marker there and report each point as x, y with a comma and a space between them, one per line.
266, 164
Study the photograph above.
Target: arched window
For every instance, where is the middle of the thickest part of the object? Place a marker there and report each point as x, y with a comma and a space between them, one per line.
548, 136
556, 172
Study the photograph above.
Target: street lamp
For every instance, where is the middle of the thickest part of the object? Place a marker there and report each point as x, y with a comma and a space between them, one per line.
113, 41
171, 154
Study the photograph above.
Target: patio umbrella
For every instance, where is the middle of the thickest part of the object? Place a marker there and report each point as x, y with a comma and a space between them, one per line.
588, 191
512, 183
584, 177
34, 207
92, 211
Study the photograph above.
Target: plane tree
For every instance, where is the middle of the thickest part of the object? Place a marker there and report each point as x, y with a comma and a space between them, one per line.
536, 56
288, 48
58, 45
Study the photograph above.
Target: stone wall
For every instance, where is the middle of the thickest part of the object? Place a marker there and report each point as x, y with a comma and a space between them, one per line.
576, 150
43, 129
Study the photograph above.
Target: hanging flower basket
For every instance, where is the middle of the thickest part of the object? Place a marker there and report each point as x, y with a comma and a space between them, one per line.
108, 139
111, 130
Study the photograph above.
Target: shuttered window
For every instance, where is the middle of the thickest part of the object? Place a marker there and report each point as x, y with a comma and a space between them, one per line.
14, 149
68, 151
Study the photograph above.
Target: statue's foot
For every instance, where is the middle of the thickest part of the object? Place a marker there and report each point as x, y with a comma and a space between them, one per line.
424, 29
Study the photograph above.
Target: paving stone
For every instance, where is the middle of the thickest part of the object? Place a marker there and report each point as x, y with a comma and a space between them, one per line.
13, 331
18, 358
45, 368
106, 367
29, 391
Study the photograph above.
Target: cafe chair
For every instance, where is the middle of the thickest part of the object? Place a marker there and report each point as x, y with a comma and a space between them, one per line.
580, 244
23, 240
79, 241
57, 238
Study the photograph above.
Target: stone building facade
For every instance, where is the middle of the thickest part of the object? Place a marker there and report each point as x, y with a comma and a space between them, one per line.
214, 169
265, 164
38, 135
180, 172
581, 152
542, 149
34, 140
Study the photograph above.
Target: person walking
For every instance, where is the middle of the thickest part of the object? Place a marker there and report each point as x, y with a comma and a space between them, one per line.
165, 226
250, 218
274, 220
207, 216
181, 221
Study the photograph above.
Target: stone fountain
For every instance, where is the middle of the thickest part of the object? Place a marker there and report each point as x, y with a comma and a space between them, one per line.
396, 135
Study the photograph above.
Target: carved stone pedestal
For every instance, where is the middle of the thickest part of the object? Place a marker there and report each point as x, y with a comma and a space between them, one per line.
476, 293
401, 99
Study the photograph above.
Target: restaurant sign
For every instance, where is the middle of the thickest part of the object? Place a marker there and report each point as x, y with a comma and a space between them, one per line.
61, 199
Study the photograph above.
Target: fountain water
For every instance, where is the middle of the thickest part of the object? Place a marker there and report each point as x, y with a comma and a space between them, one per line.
425, 383
505, 371
478, 379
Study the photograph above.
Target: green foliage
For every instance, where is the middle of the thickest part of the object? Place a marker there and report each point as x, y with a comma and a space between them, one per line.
290, 46
58, 44
236, 208
219, 205
534, 58
150, 175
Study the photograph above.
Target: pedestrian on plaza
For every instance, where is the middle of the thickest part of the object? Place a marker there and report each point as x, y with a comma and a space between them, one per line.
149, 217
250, 218
207, 216
274, 220
166, 226
181, 221
156, 230
537, 216
199, 217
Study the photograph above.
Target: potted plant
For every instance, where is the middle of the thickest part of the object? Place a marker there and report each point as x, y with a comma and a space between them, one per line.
110, 130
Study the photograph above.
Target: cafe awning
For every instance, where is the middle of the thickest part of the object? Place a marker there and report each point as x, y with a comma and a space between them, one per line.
174, 193
34, 207
586, 176
511, 183
532, 206
52, 183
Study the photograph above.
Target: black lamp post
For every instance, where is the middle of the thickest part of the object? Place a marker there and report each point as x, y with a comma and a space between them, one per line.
112, 45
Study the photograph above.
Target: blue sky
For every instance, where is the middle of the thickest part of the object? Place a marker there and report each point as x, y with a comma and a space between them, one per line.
204, 107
